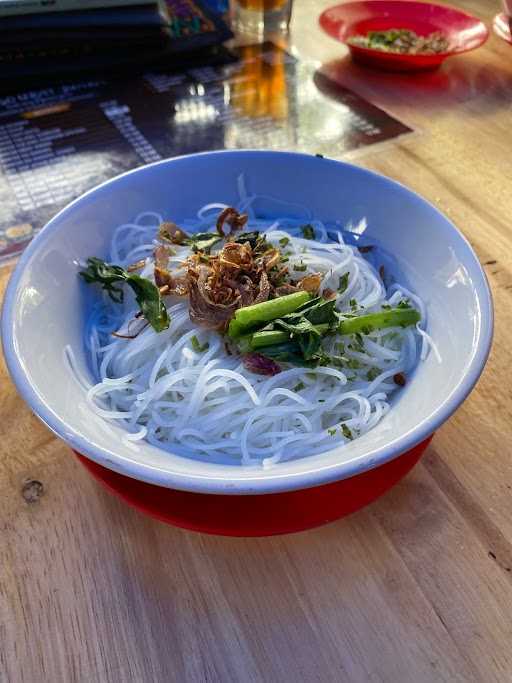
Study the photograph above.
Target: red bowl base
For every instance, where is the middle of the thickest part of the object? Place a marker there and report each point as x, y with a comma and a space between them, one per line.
264, 515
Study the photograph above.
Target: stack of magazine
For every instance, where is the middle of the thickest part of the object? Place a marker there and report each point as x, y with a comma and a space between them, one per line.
48, 38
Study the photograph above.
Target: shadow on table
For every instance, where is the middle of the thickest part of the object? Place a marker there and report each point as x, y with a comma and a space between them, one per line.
459, 80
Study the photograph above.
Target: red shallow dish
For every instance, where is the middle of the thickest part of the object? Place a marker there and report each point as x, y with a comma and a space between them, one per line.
264, 515
463, 31
501, 26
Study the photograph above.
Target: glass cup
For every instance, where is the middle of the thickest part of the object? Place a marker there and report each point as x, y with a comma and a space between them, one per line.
261, 16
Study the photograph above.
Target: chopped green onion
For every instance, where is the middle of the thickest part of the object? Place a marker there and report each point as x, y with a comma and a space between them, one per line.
197, 346
308, 231
396, 317
346, 431
271, 337
249, 316
373, 373
331, 432
300, 267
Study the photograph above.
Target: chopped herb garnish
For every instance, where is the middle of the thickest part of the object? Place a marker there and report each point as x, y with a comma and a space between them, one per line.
146, 292
332, 432
284, 241
300, 267
299, 387
255, 239
321, 400
373, 373
346, 431
353, 304
353, 364
202, 241
343, 284
386, 307
404, 304
284, 259
308, 231
197, 346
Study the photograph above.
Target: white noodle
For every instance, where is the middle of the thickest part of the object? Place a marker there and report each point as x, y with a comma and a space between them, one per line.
207, 405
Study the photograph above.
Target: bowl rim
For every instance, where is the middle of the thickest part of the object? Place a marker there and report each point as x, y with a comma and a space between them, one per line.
397, 56
257, 481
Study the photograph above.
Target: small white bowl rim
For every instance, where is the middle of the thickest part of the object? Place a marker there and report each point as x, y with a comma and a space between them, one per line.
257, 481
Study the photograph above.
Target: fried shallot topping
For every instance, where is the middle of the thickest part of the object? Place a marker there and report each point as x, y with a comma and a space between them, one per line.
247, 270
235, 220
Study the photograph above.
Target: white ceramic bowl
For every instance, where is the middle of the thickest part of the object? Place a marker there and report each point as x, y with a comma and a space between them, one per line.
46, 305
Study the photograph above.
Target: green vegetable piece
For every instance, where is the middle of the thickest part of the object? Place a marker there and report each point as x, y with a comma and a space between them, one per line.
289, 352
107, 275
308, 232
343, 284
268, 338
284, 241
373, 373
150, 302
299, 387
310, 345
202, 241
197, 346
254, 238
332, 431
235, 330
317, 311
396, 317
264, 338
250, 316
346, 431
146, 292
300, 267
358, 343
404, 304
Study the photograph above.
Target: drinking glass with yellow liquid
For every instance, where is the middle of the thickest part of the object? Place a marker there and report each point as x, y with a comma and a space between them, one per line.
261, 16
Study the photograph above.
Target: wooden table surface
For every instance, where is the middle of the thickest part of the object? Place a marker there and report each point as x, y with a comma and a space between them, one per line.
415, 588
